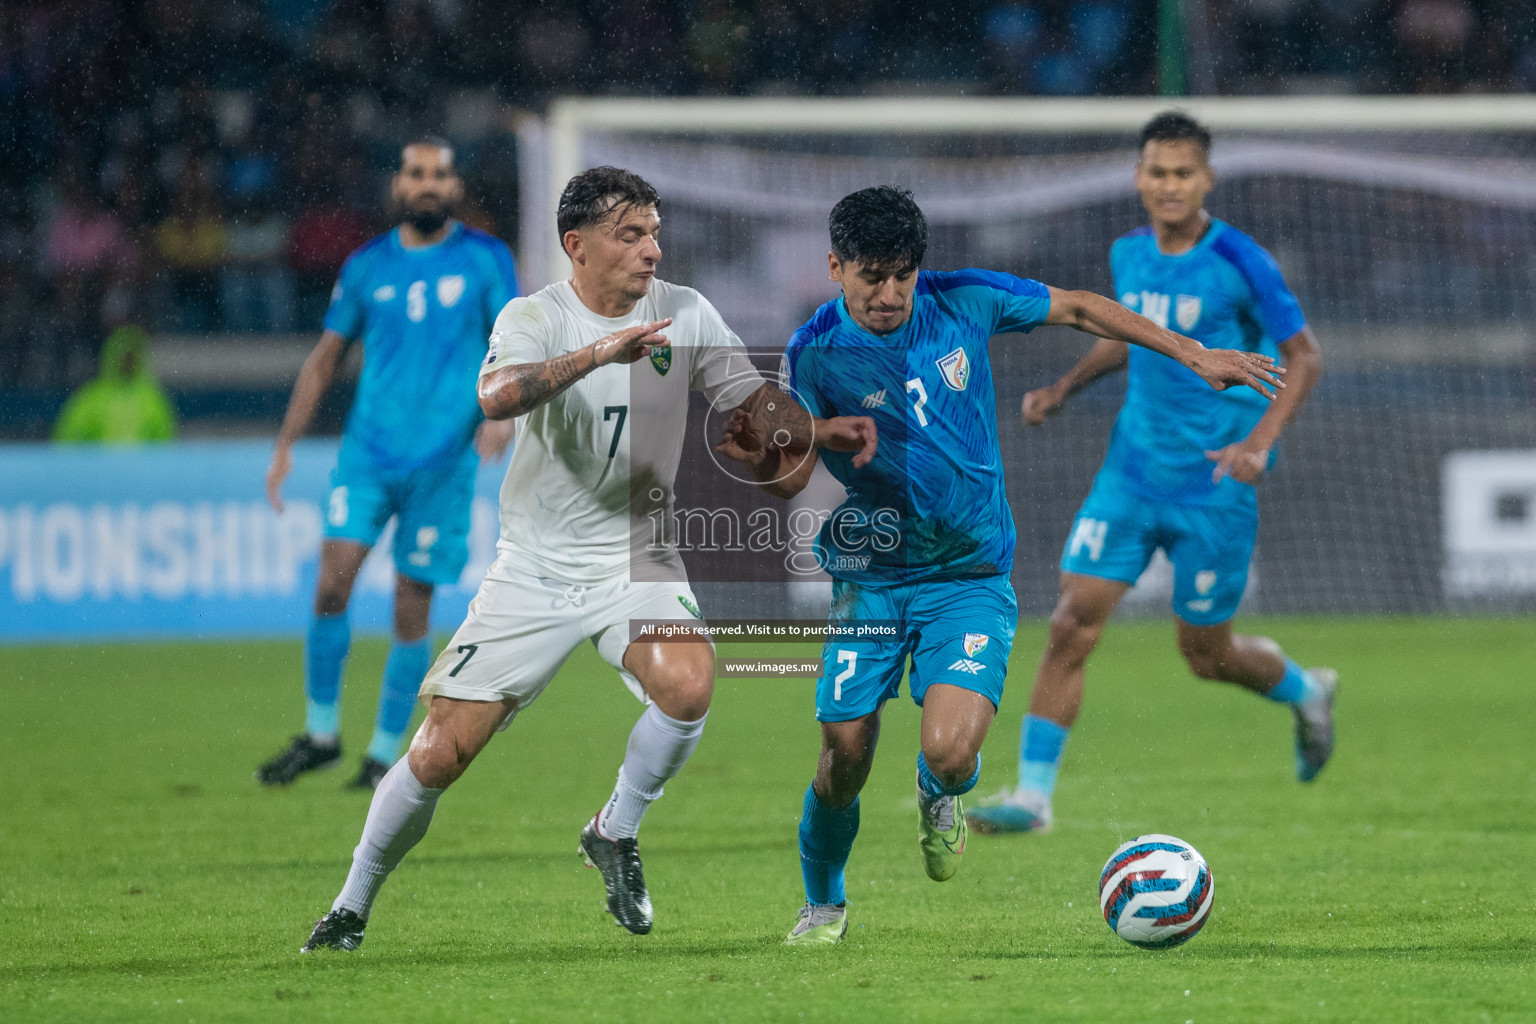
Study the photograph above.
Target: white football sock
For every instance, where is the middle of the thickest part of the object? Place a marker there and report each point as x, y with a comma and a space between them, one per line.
658, 748
397, 819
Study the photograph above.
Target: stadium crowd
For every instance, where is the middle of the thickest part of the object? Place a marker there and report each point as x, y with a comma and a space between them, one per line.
205, 165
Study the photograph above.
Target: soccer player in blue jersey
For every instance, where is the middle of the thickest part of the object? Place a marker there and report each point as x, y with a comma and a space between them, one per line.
924, 541
421, 299
1180, 470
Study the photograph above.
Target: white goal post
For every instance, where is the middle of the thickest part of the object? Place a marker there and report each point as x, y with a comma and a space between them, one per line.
555, 143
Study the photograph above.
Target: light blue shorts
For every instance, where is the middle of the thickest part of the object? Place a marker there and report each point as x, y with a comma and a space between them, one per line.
431, 506
1210, 546
955, 631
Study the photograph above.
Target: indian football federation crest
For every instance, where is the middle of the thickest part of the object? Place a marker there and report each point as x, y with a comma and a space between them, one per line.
975, 643
955, 368
661, 358
682, 599
450, 289
1186, 311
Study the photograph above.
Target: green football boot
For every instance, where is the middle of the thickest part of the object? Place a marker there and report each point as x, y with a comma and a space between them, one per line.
1314, 725
822, 924
941, 835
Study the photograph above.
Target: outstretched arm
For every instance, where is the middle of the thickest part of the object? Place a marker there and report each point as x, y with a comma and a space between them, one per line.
520, 388
1221, 368
314, 378
1104, 358
1246, 460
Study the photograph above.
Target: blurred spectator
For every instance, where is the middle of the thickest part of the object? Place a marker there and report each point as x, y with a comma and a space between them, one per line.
84, 243
256, 286
15, 323
324, 234
717, 46
124, 404
192, 242
1010, 34
1434, 35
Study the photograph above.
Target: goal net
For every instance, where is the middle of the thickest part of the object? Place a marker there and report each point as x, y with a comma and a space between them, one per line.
1406, 228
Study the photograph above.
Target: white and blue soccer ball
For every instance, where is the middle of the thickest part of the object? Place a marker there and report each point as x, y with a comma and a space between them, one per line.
1156, 891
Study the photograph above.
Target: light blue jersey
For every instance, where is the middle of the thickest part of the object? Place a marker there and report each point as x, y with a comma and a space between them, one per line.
1226, 292
932, 504
423, 316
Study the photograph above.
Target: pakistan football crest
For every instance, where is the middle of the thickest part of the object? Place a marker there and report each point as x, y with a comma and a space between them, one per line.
1186, 311
661, 358
682, 599
956, 369
975, 643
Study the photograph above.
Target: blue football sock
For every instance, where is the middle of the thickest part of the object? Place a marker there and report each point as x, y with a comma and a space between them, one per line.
1040, 753
1294, 687
325, 655
826, 838
403, 672
933, 787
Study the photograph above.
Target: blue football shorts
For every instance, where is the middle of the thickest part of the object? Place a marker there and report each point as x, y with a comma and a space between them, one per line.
431, 507
954, 631
1116, 534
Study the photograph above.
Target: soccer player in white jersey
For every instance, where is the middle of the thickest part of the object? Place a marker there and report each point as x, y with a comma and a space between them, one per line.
599, 442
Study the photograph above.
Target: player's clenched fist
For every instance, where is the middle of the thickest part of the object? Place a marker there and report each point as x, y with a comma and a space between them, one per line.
1041, 404
631, 343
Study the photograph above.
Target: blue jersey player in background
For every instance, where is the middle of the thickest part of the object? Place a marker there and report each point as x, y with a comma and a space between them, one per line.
1180, 470
421, 299
924, 541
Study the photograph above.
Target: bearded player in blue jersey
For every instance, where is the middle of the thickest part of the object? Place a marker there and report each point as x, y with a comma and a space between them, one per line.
924, 541
1180, 470
421, 299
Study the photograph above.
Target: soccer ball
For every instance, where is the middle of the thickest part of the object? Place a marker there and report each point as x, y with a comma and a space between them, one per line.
1156, 891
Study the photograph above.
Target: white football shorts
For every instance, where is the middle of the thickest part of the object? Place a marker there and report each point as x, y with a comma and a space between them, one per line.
520, 629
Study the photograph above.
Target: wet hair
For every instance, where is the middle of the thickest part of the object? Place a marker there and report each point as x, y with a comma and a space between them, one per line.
1176, 126
436, 141
595, 194
879, 228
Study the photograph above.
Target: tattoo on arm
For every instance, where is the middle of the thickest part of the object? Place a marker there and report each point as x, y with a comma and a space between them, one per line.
526, 386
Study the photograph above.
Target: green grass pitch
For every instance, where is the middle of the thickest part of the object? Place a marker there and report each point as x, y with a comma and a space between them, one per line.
145, 877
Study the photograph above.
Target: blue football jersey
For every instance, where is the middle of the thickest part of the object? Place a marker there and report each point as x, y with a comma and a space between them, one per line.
931, 505
1226, 292
424, 317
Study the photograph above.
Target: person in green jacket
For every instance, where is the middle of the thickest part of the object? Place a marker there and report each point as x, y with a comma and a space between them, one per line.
124, 404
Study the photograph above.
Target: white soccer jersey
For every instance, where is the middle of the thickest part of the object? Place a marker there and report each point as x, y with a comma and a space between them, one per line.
593, 468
